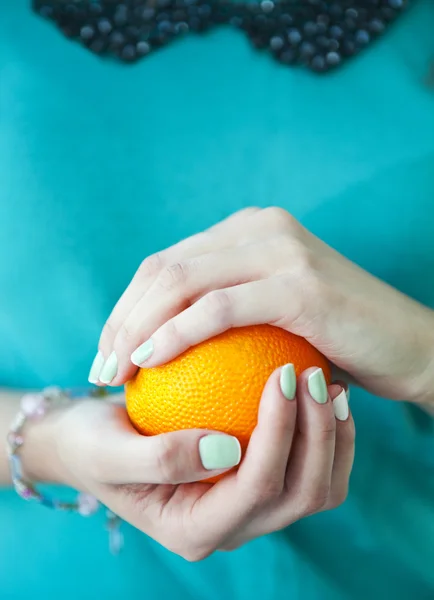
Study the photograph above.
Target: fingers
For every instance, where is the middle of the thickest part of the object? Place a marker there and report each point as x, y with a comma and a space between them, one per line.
261, 475
241, 305
344, 446
173, 291
319, 464
309, 473
123, 456
218, 237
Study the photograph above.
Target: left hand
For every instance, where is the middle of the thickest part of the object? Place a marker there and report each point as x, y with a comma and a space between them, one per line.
262, 266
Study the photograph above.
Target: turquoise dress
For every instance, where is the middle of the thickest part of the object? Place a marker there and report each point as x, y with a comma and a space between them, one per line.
102, 164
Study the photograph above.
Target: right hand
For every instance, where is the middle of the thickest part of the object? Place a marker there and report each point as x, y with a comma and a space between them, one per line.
298, 462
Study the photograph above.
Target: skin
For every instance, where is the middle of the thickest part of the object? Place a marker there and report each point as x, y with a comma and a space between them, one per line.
258, 266
262, 266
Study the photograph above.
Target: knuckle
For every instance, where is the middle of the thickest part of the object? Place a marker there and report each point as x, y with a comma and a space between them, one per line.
279, 219
218, 305
173, 276
314, 501
168, 463
152, 265
338, 497
194, 553
125, 334
250, 211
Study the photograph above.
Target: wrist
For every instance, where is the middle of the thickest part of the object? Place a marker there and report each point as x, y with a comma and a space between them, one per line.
40, 459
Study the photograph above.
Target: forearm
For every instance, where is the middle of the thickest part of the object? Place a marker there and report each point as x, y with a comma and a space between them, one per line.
35, 452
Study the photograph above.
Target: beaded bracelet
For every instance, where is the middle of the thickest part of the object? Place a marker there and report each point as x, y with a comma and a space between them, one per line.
34, 407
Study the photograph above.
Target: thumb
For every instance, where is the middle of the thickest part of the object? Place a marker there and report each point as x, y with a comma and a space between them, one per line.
169, 458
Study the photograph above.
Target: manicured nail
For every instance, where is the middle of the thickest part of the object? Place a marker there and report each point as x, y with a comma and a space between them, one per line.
142, 353
219, 452
348, 393
317, 386
96, 367
340, 406
288, 381
110, 369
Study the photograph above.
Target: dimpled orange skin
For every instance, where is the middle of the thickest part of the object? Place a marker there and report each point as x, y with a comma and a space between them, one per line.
217, 384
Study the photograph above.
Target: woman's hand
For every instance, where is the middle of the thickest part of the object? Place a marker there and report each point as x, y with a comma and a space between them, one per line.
262, 266
298, 462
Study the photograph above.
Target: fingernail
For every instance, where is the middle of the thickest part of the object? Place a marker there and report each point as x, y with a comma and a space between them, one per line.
340, 406
96, 367
110, 369
219, 452
288, 381
348, 393
142, 353
317, 386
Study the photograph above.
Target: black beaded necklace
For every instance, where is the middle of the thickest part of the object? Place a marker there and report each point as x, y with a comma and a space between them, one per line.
318, 34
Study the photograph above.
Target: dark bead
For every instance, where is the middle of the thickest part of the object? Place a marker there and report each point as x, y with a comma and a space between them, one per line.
336, 11
307, 50
349, 47
267, 6
323, 20
104, 26
277, 43
318, 63
147, 14
98, 45
321, 29
87, 32
117, 39
165, 26
322, 41
388, 13
288, 56
286, 19
195, 23
377, 26
236, 21
333, 58
71, 10
259, 41
179, 15
336, 31
120, 19
362, 37
95, 8
46, 11
396, 3
181, 27
351, 13
310, 28
294, 36
204, 10
143, 48
350, 24
163, 3
334, 45
128, 52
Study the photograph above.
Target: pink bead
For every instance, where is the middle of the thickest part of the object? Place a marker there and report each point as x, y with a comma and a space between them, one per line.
87, 505
34, 405
15, 439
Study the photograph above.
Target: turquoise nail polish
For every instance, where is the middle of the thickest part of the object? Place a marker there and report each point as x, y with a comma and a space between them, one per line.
317, 386
96, 367
110, 369
219, 452
142, 353
288, 381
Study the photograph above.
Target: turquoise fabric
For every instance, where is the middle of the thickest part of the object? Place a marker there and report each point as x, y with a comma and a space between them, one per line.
102, 164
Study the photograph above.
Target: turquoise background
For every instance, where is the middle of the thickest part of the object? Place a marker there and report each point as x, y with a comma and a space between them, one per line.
102, 164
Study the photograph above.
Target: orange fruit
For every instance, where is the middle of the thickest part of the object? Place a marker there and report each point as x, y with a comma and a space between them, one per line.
217, 384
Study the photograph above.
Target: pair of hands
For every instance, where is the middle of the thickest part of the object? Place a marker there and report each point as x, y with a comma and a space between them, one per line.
258, 266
